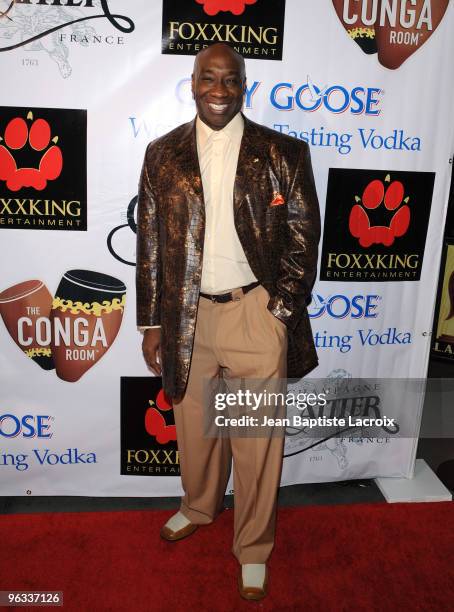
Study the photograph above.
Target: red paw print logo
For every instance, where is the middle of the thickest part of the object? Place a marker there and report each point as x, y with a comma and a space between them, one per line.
373, 196
38, 136
155, 423
212, 7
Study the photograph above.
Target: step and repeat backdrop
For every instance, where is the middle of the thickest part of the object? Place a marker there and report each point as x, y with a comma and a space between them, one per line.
85, 85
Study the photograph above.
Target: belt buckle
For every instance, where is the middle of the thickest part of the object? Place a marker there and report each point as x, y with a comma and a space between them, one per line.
213, 299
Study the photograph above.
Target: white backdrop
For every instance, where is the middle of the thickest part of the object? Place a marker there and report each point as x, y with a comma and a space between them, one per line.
132, 93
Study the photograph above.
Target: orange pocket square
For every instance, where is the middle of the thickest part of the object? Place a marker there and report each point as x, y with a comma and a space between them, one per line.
278, 200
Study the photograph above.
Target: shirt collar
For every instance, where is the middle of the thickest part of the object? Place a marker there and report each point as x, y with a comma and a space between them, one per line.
233, 130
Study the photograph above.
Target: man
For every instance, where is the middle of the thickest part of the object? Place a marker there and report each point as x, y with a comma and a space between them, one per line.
227, 235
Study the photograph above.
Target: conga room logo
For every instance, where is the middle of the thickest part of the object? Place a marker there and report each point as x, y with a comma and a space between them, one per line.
148, 432
43, 169
375, 225
394, 29
71, 331
255, 28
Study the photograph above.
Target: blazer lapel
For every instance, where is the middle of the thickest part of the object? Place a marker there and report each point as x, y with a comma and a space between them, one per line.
250, 161
187, 163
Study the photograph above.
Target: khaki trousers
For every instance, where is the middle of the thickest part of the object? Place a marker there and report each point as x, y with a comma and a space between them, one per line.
238, 339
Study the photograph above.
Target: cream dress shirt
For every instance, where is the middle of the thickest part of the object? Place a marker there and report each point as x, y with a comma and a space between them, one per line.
224, 266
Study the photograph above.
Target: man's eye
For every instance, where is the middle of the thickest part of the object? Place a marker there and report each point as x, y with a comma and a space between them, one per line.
232, 81
207, 79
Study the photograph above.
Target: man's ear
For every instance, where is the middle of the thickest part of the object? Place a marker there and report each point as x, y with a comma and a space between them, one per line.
192, 85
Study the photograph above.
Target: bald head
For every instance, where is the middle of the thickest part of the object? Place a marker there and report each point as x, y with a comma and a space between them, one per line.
221, 49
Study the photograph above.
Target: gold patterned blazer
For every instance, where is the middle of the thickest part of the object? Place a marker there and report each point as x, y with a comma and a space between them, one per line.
280, 241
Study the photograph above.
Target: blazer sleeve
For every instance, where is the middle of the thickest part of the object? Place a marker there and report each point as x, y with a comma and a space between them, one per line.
148, 252
298, 265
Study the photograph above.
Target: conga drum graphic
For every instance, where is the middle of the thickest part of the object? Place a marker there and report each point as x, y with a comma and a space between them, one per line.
25, 310
86, 315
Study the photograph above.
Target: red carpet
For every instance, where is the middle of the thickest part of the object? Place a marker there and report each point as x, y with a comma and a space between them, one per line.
327, 558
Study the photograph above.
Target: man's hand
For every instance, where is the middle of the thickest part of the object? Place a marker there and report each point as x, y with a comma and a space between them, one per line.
151, 348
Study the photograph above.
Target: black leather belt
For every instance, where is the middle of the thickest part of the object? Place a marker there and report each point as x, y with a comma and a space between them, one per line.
222, 298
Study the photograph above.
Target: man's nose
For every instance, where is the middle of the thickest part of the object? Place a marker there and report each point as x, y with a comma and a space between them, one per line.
219, 90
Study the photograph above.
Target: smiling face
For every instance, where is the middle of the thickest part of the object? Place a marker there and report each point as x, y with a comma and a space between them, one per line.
218, 85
